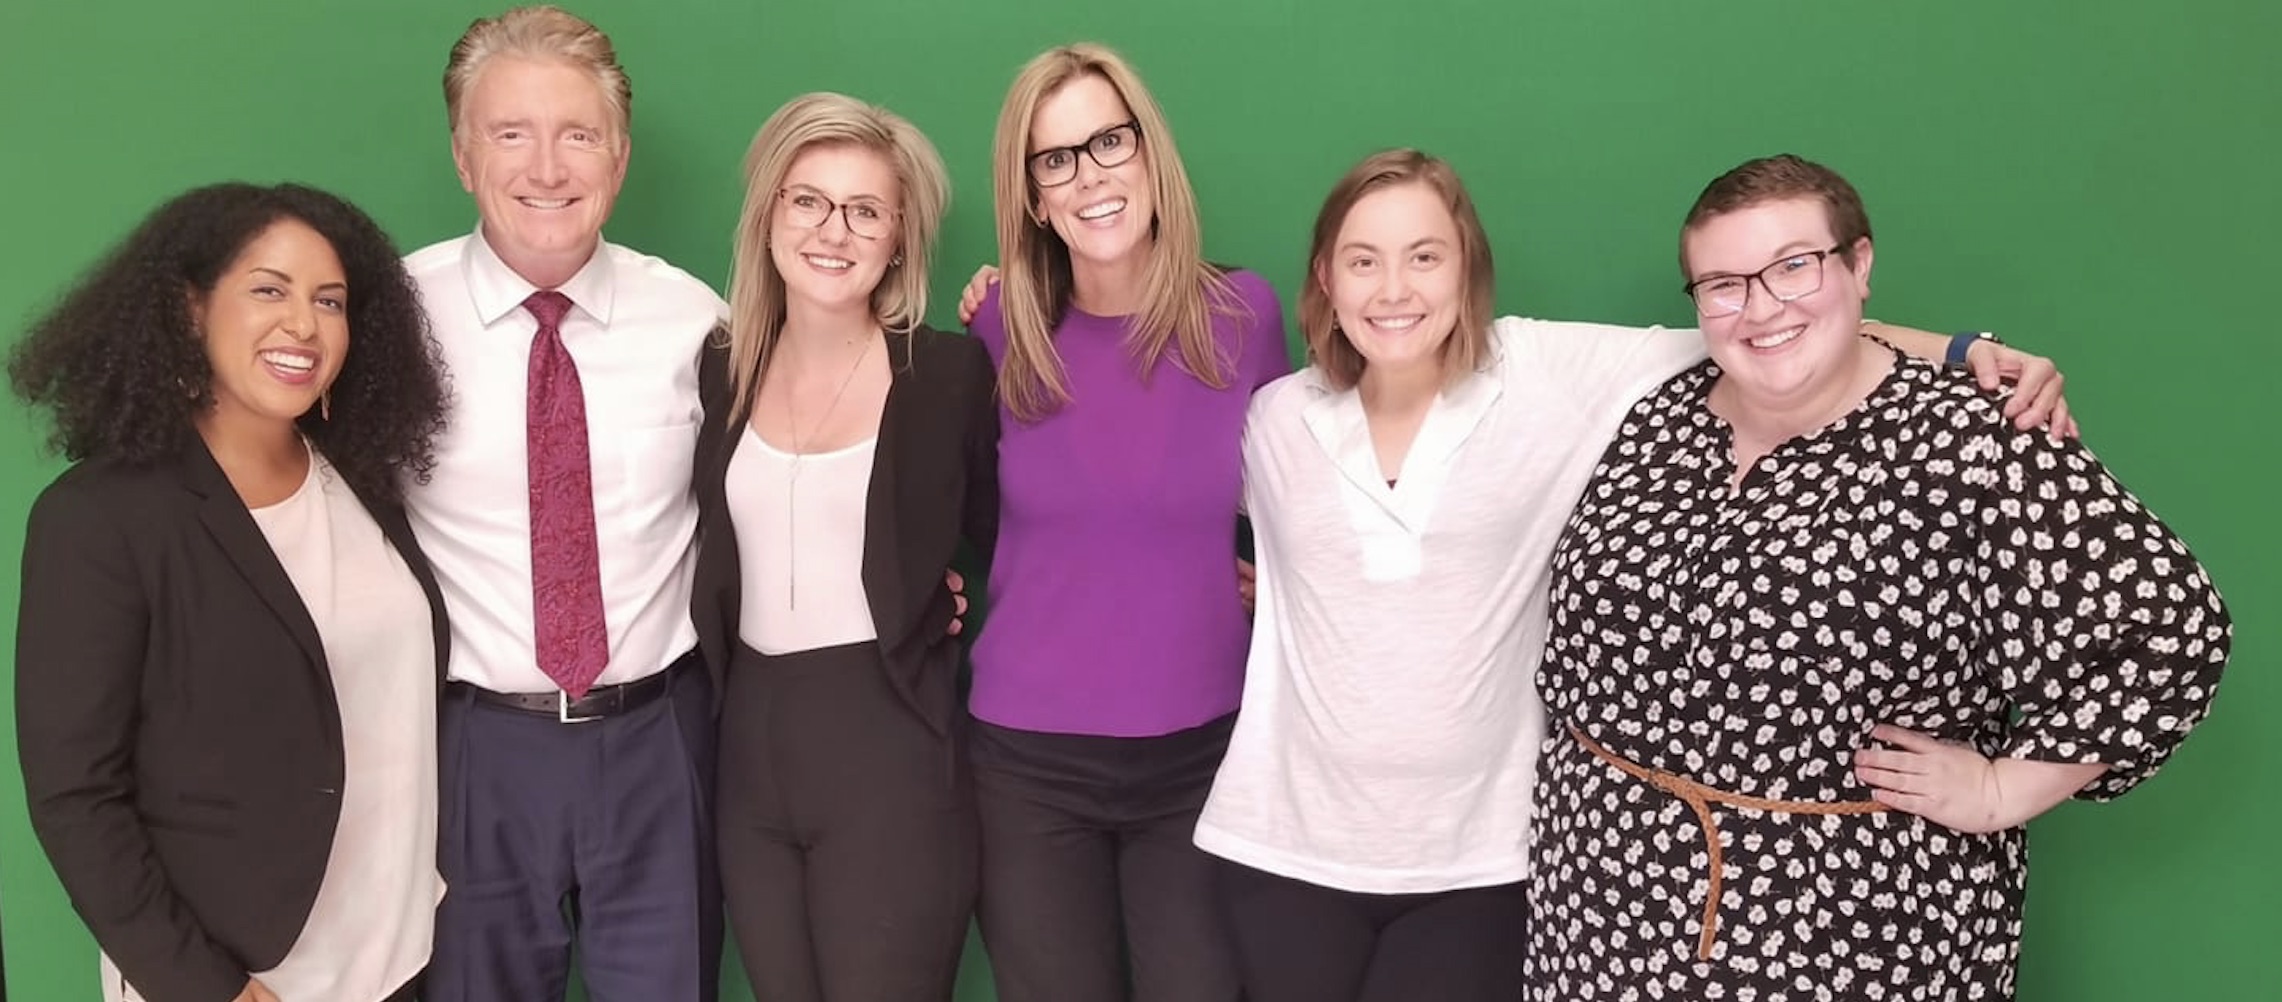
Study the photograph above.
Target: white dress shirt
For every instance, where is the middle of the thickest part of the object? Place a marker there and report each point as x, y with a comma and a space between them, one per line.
635, 330
1391, 725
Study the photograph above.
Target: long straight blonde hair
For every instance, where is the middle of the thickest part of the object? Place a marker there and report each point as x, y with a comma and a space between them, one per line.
756, 289
1181, 292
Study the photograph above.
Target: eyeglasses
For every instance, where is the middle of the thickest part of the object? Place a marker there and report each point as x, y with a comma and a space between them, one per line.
866, 218
1111, 146
1791, 278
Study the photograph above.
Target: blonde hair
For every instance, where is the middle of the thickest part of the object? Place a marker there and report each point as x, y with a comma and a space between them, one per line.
756, 289
1181, 293
1469, 345
542, 32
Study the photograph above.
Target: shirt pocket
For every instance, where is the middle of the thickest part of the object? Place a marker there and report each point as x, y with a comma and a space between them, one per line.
654, 473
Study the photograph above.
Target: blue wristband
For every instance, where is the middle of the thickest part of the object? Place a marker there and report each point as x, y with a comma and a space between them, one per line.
1962, 342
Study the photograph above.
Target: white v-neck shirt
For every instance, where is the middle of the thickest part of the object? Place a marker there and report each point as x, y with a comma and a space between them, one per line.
1390, 726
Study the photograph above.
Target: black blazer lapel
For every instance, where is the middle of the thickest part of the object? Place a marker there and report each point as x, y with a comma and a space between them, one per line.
233, 528
883, 556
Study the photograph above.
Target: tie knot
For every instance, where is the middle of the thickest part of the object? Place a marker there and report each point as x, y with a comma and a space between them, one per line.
549, 306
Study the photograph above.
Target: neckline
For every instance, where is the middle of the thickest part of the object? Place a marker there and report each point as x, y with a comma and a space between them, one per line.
309, 478
808, 457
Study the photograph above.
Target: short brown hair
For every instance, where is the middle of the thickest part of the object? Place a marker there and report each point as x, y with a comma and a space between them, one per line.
539, 32
1780, 178
1469, 345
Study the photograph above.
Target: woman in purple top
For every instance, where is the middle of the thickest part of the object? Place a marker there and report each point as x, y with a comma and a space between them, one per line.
1107, 676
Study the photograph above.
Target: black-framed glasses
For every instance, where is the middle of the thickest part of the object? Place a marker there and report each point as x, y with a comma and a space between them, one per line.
868, 218
1794, 277
1111, 146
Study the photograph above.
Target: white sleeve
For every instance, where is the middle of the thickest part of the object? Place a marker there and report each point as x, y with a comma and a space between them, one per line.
1601, 362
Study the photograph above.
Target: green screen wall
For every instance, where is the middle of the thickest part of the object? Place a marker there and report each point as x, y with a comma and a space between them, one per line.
2095, 180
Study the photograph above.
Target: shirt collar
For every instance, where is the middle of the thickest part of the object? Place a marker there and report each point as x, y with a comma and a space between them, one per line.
496, 290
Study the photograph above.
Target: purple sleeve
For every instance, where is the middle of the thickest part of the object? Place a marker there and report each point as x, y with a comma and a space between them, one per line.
989, 325
1263, 354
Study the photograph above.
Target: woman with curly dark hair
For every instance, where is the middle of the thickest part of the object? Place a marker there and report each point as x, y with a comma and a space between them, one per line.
228, 644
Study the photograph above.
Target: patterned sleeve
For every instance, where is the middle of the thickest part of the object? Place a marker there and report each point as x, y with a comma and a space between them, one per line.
2102, 629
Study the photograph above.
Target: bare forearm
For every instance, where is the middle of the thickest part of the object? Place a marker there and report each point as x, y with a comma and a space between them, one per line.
2028, 787
1923, 344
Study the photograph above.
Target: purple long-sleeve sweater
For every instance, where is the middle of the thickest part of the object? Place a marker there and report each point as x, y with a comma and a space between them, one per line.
1114, 608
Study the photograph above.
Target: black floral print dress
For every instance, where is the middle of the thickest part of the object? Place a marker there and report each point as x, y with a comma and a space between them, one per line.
1917, 562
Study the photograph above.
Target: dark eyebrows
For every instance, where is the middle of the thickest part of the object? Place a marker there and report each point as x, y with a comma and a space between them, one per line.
288, 279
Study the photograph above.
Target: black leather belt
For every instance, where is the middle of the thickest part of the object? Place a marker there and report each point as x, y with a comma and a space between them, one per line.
599, 702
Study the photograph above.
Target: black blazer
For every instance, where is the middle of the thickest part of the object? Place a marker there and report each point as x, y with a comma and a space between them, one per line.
176, 721
934, 480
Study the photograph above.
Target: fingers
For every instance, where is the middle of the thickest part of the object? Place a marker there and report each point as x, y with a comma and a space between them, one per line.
1913, 803
2064, 421
2032, 407
1886, 760
1990, 363
1907, 739
971, 298
958, 586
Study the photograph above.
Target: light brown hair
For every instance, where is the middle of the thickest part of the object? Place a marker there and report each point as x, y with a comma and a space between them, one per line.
1181, 292
542, 32
1468, 346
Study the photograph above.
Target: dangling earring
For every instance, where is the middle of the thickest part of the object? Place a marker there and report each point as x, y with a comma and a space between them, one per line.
325, 405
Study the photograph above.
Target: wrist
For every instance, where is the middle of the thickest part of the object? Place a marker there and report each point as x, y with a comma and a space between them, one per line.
1961, 344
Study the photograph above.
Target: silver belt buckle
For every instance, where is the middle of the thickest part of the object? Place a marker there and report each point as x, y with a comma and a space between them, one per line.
562, 710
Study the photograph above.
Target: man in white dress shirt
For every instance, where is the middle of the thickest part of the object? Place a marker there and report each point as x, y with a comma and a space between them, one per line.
577, 754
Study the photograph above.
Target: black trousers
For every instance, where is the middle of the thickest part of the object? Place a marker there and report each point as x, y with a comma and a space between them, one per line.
1300, 942
846, 832
1093, 889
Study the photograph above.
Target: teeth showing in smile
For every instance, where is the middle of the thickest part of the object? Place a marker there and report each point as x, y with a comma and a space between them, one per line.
1101, 210
1395, 325
291, 361
830, 263
546, 203
1775, 340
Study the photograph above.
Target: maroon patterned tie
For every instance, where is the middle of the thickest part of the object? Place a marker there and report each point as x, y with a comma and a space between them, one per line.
566, 573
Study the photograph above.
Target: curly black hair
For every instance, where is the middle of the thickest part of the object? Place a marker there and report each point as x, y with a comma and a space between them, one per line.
122, 367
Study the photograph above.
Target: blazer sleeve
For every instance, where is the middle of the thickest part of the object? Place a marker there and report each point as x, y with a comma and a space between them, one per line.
83, 622
980, 509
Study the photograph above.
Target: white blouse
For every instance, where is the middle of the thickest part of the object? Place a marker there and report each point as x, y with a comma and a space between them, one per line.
374, 918
1390, 726
800, 545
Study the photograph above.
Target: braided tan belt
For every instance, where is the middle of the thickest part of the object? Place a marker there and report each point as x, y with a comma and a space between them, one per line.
1699, 798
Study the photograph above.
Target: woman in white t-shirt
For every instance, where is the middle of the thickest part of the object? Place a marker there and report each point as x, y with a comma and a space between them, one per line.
1407, 490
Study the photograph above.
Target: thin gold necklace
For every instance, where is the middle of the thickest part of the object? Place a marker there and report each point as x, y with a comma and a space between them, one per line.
792, 474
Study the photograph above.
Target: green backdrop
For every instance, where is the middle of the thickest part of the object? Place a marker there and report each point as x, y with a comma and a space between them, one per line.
2093, 179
